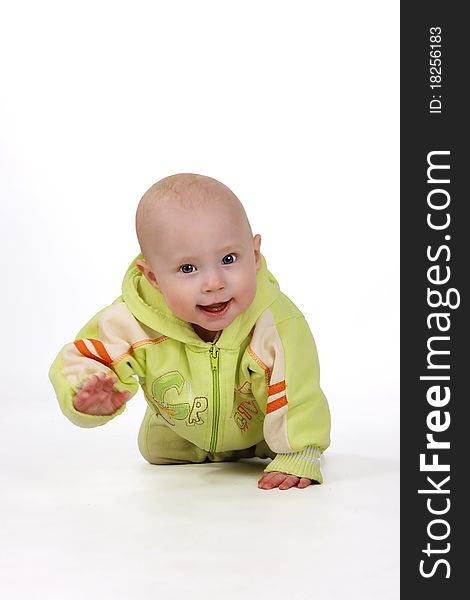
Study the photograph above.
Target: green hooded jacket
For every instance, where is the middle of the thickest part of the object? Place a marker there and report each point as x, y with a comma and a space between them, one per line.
258, 380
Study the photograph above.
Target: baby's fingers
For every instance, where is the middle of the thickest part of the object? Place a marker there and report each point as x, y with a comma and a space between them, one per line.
283, 481
120, 398
265, 481
108, 383
98, 382
277, 480
289, 481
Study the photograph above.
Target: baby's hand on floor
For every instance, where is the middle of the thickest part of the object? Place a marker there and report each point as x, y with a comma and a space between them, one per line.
97, 396
282, 480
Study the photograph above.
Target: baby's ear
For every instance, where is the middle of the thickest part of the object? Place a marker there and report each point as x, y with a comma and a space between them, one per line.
145, 269
256, 248
141, 265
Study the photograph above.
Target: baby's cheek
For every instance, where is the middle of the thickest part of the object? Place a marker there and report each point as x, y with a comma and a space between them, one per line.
176, 304
248, 291
180, 302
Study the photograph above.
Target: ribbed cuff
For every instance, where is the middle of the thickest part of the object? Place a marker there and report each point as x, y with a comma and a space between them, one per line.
305, 463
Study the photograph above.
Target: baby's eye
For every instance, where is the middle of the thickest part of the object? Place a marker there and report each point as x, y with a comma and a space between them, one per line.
229, 259
187, 268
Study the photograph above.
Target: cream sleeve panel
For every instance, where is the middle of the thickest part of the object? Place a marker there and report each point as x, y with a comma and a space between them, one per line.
106, 339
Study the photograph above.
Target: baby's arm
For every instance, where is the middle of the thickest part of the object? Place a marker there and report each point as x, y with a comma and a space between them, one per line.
98, 396
297, 422
95, 375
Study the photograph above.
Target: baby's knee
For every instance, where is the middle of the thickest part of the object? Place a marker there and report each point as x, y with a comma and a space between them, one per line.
148, 440
160, 445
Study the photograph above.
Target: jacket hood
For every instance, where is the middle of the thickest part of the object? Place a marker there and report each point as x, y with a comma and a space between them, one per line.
148, 305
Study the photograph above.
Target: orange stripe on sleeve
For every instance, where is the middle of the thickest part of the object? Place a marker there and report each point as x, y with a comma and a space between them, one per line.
276, 404
276, 388
81, 347
99, 347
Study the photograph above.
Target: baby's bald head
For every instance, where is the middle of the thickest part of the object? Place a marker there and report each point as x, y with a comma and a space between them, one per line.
198, 250
183, 193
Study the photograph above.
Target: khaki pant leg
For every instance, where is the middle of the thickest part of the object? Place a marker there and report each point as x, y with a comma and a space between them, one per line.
262, 450
160, 445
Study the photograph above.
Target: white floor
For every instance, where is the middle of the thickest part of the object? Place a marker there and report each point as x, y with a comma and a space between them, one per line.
85, 517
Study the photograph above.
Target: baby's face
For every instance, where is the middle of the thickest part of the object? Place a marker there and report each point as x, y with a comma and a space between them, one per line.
205, 264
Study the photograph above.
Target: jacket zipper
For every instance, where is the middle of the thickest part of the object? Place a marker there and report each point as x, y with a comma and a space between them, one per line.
214, 355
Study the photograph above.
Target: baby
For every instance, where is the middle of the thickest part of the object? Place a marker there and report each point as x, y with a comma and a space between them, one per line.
226, 361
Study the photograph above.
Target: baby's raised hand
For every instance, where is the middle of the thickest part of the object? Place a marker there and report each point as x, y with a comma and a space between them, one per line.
97, 396
282, 480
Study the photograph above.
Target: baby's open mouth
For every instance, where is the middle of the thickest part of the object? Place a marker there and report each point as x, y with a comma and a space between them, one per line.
215, 309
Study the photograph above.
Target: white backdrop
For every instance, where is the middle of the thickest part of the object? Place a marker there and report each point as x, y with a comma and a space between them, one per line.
294, 105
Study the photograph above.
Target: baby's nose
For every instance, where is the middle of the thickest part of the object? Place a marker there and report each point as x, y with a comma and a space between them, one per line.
214, 281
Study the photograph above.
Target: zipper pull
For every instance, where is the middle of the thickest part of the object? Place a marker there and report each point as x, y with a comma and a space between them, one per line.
214, 352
